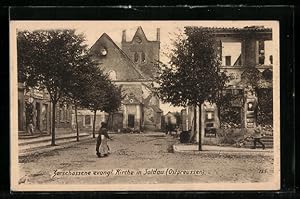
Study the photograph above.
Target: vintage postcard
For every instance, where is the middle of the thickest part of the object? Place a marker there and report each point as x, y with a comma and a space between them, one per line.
144, 105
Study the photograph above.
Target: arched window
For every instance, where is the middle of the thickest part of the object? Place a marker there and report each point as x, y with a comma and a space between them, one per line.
112, 75
143, 57
136, 57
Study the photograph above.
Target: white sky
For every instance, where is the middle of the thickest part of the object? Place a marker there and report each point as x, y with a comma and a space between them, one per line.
168, 29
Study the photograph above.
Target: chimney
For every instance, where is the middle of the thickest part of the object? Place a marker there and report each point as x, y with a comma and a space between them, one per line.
158, 34
124, 36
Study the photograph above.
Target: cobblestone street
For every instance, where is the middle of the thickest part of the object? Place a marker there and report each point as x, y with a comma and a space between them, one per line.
152, 154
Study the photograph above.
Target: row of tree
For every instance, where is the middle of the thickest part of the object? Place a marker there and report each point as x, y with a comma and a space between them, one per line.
59, 61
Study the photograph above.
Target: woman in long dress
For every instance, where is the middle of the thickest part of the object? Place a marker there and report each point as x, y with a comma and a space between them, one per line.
102, 147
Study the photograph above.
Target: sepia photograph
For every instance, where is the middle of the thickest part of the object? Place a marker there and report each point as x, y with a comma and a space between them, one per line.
144, 105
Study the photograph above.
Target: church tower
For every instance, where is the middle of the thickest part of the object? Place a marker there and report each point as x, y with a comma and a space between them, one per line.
142, 52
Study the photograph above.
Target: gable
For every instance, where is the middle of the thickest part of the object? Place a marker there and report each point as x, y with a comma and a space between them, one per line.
133, 89
112, 58
131, 99
139, 34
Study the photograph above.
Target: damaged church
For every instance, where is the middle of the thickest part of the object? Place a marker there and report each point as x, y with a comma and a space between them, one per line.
132, 66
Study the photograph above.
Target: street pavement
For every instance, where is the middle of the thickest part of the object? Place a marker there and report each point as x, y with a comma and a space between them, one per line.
150, 153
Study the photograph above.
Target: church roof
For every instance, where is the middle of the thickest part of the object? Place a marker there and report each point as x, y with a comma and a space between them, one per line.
130, 63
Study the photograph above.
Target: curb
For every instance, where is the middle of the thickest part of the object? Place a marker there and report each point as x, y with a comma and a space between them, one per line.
243, 152
49, 139
48, 148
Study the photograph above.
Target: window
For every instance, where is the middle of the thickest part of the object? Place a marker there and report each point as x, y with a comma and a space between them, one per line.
136, 57
231, 53
269, 51
271, 59
103, 51
169, 120
228, 60
112, 75
209, 125
261, 52
87, 120
143, 57
250, 106
138, 39
209, 115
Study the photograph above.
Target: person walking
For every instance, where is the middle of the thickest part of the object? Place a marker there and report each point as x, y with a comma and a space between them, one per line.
102, 147
257, 135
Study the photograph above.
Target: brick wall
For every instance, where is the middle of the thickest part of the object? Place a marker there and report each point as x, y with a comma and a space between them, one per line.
115, 59
150, 50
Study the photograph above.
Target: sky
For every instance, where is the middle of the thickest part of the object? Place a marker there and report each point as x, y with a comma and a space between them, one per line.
168, 31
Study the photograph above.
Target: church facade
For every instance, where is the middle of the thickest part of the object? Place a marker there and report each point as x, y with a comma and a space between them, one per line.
132, 66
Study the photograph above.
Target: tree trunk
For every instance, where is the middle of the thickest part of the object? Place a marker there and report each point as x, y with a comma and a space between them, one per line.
77, 131
94, 122
194, 125
219, 111
53, 123
200, 127
112, 121
195, 122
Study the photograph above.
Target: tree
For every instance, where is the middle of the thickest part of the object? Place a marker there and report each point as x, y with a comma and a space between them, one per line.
79, 83
95, 94
115, 97
193, 74
101, 94
46, 59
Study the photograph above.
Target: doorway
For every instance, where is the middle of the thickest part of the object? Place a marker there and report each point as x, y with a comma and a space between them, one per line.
38, 115
20, 117
130, 120
44, 117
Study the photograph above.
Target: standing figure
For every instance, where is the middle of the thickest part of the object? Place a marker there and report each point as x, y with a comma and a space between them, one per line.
257, 135
29, 118
102, 147
30, 128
